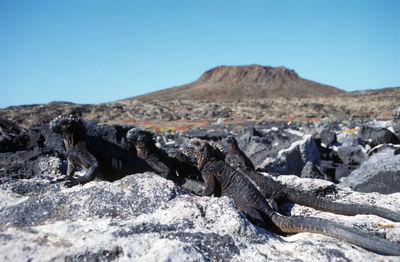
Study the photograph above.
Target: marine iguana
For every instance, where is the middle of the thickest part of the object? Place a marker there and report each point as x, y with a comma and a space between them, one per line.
100, 158
163, 164
235, 157
253, 204
179, 169
278, 193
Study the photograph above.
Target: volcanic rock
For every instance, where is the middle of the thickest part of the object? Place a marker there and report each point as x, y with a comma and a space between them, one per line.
352, 155
380, 173
377, 136
326, 137
145, 217
12, 136
292, 160
310, 170
396, 121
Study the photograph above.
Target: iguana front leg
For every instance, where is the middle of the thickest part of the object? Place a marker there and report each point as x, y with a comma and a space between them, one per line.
71, 169
80, 156
209, 181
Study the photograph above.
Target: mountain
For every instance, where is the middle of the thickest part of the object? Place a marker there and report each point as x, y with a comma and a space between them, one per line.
239, 82
229, 92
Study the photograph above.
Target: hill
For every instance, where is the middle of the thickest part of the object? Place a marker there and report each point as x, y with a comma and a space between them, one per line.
251, 82
251, 92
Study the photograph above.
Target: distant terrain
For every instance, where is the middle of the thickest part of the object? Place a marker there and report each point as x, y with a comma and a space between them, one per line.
249, 82
253, 93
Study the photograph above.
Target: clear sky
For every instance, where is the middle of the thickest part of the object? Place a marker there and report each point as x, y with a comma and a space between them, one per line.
93, 51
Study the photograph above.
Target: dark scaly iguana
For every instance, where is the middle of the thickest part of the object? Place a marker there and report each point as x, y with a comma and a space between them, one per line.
100, 158
178, 169
235, 157
250, 201
277, 192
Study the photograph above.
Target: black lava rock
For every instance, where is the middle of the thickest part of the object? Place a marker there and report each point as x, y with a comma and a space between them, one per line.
326, 137
353, 155
310, 170
374, 136
396, 120
12, 136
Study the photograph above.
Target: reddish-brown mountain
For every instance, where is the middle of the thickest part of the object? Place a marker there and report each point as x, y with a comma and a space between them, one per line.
245, 82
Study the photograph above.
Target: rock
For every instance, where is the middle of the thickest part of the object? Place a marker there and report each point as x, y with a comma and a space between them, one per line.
328, 167
259, 146
256, 150
349, 139
336, 170
101, 199
380, 173
396, 121
328, 154
383, 147
293, 159
246, 135
352, 155
375, 136
43, 139
343, 170
326, 137
310, 170
385, 182
351, 149
209, 134
144, 217
27, 164
12, 136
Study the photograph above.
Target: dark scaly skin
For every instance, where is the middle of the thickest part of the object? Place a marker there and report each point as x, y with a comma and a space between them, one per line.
251, 202
235, 157
271, 189
174, 169
277, 192
101, 159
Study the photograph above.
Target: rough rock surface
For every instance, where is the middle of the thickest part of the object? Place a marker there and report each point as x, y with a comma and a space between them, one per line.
293, 159
12, 136
326, 137
144, 217
310, 170
380, 173
265, 142
377, 136
396, 120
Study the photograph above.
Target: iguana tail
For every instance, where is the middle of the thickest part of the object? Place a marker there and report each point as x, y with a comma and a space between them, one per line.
296, 224
341, 208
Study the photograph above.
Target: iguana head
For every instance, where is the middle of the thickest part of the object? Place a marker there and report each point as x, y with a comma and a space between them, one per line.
231, 140
68, 128
203, 151
140, 138
64, 125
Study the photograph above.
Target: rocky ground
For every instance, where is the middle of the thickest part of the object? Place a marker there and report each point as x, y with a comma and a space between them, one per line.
366, 104
144, 217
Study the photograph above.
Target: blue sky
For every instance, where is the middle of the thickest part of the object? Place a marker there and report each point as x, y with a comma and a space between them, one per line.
93, 51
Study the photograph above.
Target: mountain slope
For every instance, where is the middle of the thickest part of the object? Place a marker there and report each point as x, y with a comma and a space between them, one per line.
245, 82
